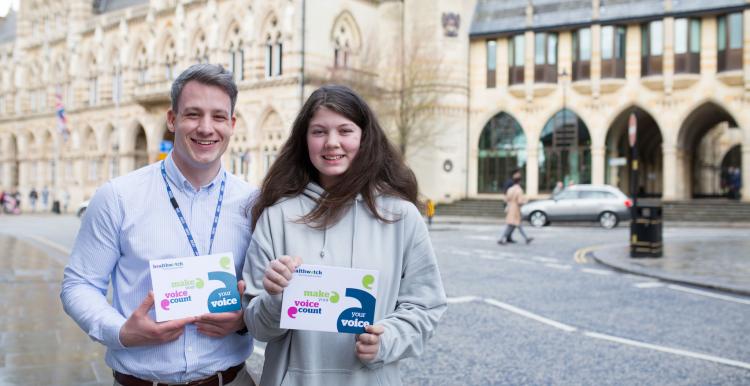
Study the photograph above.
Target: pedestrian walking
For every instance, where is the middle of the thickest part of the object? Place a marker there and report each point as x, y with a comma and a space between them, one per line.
558, 188
509, 182
430, 206
339, 194
45, 199
33, 196
145, 216
735, 182
65, 200
514, 199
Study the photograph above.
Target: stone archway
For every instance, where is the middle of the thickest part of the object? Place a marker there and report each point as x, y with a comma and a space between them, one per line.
564, 151
705, 134
502, 149
12, 172
649, 148
140, 150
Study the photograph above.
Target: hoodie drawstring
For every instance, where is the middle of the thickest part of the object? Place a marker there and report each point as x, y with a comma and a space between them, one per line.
354, 237
323, 249
354, 234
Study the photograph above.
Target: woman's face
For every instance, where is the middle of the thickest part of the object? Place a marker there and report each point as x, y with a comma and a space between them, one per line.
332, 143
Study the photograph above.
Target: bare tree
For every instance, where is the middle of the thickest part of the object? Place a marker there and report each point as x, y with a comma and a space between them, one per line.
404, 89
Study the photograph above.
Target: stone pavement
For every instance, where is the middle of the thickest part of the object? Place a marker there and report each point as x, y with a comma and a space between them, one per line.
714, 262
721, 264
39, 343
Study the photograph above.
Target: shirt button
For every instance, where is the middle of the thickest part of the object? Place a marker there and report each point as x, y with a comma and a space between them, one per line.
190, 348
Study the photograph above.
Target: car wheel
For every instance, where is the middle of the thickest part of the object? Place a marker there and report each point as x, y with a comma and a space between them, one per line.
538, 219
608, 220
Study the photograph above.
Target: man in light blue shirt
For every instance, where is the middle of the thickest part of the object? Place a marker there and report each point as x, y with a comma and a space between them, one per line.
165, 210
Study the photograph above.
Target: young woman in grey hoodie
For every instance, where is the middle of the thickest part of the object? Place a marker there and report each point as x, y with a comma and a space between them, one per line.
339, 194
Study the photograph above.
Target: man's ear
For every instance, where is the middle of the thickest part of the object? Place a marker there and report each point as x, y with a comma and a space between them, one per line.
171, 116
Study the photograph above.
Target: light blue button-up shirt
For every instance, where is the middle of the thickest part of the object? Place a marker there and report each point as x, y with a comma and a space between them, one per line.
129, 222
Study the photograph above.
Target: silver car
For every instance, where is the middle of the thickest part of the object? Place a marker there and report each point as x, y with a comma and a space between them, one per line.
602, 203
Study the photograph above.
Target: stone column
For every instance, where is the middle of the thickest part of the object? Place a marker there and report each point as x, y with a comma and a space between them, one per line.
127, 163
597, 164
745, 172
4, 175
668, 54
528, 68
532, 170
670, 164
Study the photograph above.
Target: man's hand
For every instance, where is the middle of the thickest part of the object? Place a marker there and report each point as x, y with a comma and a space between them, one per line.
221, 324
140, 330
368, 344
279, 272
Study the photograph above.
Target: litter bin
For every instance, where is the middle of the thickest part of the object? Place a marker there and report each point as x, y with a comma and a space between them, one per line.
645, 232
56, 206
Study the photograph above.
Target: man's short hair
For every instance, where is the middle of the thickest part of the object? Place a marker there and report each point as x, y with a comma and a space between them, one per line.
209, 74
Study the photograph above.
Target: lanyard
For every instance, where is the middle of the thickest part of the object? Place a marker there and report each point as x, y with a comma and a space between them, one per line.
182, 218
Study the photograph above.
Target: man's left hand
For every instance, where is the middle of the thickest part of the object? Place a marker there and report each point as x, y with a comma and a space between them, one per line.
224, 323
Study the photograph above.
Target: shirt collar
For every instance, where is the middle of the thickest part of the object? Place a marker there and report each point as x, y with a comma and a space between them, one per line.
177, 178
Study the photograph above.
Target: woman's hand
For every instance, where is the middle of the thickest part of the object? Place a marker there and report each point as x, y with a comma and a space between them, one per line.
368, 344
279, 272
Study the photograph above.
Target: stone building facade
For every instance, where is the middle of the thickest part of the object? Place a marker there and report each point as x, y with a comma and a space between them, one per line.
470, 89
110, 64
553, 83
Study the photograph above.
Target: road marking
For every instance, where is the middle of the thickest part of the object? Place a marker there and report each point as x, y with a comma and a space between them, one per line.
558, 266
522, 261
462, 253
649, 284
479, 237
544, 259
463, 299
596, 335
708, 294
580, 255
596, 271
530, 315
691, 354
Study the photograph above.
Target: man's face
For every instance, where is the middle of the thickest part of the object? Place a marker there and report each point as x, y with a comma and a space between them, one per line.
202, 126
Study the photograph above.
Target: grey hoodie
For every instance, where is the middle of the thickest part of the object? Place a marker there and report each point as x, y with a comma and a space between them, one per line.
410, 297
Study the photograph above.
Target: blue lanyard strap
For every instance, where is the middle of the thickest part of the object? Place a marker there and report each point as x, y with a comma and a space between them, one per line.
182, 218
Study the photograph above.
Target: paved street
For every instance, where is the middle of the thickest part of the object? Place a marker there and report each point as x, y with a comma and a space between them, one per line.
536, 314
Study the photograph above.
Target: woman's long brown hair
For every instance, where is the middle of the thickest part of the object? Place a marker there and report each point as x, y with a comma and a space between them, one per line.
378, 167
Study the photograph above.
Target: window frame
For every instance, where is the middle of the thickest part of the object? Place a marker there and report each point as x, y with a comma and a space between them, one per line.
516, 71
652, 63
614, 67
545, 67
728, 58
688, 62
581, 65
491, 63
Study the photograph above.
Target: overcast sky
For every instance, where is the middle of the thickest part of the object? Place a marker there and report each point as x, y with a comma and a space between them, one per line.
5, 6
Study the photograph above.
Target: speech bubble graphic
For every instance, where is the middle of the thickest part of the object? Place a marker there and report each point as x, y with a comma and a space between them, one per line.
165, 304
292, 311
224, 262
367, 281
334, 297
199, 283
